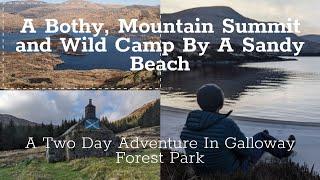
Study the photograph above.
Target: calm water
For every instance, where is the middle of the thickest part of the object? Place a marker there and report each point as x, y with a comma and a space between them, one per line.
113, 59
274, 90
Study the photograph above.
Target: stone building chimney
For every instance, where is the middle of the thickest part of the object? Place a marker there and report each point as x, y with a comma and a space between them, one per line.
90, 111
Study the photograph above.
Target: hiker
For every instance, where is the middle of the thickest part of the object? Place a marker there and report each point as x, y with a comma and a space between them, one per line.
208, 122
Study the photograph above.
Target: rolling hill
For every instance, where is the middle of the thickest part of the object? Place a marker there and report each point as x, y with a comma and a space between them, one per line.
73, 9
216, 15
6, 118
14, 7
146, 116
312, 37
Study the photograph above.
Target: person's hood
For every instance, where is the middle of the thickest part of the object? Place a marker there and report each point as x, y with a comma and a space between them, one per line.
199, 120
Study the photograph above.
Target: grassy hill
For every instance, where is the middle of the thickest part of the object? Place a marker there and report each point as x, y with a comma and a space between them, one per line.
146, 116
31, 163
34, 167
6, 118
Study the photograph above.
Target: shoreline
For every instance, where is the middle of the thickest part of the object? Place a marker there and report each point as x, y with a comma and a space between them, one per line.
251, 119
307, 135
23, 70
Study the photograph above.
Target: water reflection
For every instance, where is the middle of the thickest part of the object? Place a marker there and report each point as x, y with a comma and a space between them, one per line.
234, 80
286, 90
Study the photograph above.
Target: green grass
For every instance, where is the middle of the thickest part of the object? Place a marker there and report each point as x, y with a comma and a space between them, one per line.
88, 168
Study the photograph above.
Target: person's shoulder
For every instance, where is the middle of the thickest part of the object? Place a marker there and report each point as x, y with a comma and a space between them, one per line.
195, 113
229, 122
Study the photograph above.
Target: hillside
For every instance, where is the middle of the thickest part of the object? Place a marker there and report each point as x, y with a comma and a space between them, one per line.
216, 15
312, 37
31, 164
91, 12
38, 71
14, 7
6, 118
146, 116
11, 21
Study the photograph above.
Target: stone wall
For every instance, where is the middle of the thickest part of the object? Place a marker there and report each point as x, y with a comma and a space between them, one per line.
54, 154
76, 133
79, 152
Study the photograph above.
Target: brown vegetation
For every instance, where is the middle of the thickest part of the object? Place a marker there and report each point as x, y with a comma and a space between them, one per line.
65, 12
146, 116
37, 70
10, 158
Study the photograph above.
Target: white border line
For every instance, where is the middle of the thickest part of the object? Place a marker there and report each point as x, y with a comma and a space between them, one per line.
122, 89
45, 3
2, 45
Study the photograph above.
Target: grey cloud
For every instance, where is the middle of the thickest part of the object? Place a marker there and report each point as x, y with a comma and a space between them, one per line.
47, 106
262, 10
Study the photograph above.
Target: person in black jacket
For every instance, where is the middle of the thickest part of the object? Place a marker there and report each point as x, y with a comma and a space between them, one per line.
209, 123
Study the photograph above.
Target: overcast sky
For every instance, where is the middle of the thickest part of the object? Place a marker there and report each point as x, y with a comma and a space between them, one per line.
264, 10
47, 106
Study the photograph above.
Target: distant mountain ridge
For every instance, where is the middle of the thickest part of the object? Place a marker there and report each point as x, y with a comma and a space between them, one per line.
73, 9
147, 115
6, 118
216, 15
312, 37
14, 7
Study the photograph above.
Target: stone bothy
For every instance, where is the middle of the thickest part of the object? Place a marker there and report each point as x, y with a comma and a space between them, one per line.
89, 127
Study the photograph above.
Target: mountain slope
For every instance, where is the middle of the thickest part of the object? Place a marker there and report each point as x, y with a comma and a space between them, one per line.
6, 118
216, 15
11, 21
146, 116
312, 37
74, 9
18, 6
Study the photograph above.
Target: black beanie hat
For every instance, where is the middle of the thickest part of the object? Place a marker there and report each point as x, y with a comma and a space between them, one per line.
210, 97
